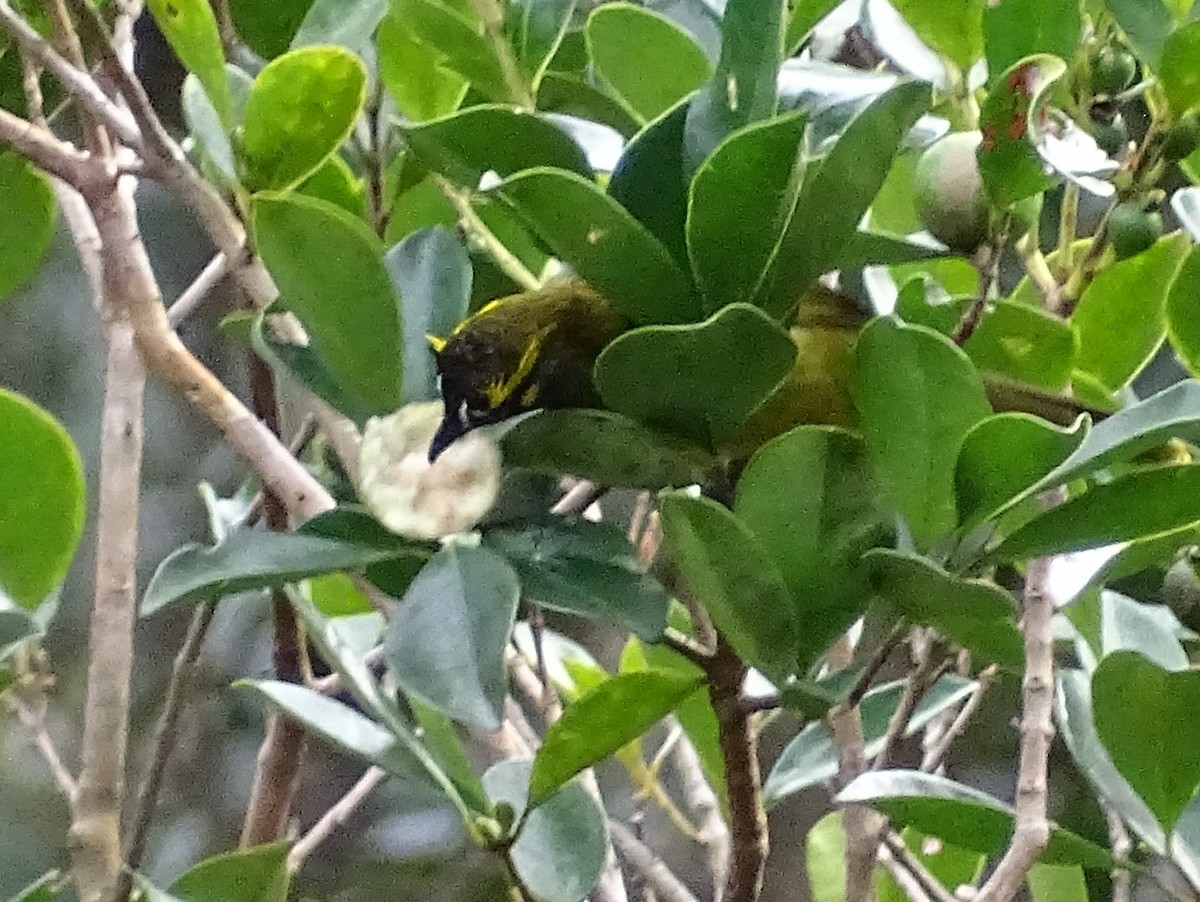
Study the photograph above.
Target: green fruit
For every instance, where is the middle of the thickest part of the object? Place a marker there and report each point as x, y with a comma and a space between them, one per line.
949, 194
1132, 230
1111, 137
1182, 139
1112, 71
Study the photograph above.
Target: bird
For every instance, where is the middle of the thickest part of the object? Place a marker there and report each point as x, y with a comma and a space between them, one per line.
536, 349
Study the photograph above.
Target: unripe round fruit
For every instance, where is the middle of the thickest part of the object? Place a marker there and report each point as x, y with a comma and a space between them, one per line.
1113, 71
1182, 139
949, 192
1111, 137
1132, 230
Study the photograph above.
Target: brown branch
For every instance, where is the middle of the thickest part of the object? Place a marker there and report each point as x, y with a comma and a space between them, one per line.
1032, 831
919, 682
649, 865
46, 151
195, 294
334, 818
929, 884
1121, 844
933, 756
34, 723
705, 808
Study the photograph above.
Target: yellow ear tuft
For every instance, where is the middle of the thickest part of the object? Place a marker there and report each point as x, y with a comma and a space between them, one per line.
437, 344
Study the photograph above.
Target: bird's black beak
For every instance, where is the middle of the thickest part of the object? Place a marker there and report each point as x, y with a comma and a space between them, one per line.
451, 428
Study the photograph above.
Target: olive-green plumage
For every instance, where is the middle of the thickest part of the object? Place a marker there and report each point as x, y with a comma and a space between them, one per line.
520, 353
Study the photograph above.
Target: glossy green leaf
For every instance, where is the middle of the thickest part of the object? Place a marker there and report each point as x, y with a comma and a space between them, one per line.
1016, 29
866, 248
335, 183
458, 44
1150, 630
1075, 722
535, 29
584, 568
960, 814
917, 396
346, 24
1002, 456
410, 70
27, 226
1057, 883
268, 27
812, 758
336, 595
700, 380
562, 844
252, 559
825, 859
300, 109
604, 447
816, 531
745, 189
419, 206
1146, 24
442, 738
432, 274
1133, 506
1009, 163
1177, 70
41, 501
465, 145
213, 142
950, 865
742, 89
1144, 717
974, 613
649, 181
953, 28
258, 874
44, 889
1121, 317
571, 95
1025, 344
604, 244
446, 643
330, 272
1183, 312
191, 29
648, 61
802, 18
735, 579
837, 191
603, 720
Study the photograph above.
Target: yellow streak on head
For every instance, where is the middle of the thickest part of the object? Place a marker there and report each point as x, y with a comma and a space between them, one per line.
437, 344
500, 389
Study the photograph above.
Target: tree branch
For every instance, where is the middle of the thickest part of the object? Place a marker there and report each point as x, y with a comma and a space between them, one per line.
334, 818
705, 808
42, 148
35, 724
646, 863
195, 294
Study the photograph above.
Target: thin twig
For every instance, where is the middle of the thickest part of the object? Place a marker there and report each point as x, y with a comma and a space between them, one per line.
192, 296
878, 660
46, 151
334, 818
934, 755
1121, 845
705, 809
39, 736
904, 878
476, 228
919, 682
646, 863
491, 14
929, 883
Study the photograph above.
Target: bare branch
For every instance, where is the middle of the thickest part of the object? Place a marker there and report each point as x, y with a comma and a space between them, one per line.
909, 885
933, 888
334, 818
475, 227
195, 294
705, 808
35, 724
934, 755
1121, 844
46, 151
646, 863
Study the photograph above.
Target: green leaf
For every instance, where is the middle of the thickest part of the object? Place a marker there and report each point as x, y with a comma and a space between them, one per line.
1003, 455
604, 244
584, 568
335, 183
866, 248
441, 736
258, 874
465, 145
1133, 506
817, 530
1146, 24
604, 447
951, 866
812, 758
1026, 344
648, 61
960, 814
432, 274
418, 207
1016, 29
953, 28
191, 29
974, 613
571, 95
27, 226
917, 396
458, 44
1177, 70
336, 595
212, 137
603, 720
1057, 883
41, 501
15, 627
825, 859
742, 89
44, 889
535, 29
1144, 717
1075, 721
649, 181
268, 27
446, 642
410, 71
345, 299
1121, 317
1009, 163
346, 24
804, 16
735, 579
747, 188
837, 191
252, 559
701, 380
1183, 312
561, 847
